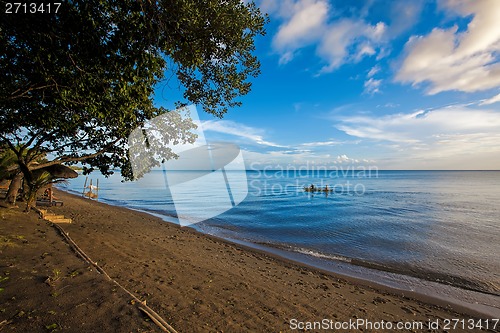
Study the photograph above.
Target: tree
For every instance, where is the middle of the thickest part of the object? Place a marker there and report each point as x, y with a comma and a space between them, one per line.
9, 172
75, 83
7, 159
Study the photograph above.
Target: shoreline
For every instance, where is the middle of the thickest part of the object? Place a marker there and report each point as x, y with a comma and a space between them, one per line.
379, 280
200, 283
420, 289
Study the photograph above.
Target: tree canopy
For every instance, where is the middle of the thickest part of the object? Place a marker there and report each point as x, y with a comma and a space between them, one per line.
75, 83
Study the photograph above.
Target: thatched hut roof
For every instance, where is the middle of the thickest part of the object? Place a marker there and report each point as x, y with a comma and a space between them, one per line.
58, 171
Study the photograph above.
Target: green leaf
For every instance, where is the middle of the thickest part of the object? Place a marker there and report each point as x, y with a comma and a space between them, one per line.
75, 83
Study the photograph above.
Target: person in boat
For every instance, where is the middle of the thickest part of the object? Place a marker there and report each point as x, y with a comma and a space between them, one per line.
312, 188
326, 188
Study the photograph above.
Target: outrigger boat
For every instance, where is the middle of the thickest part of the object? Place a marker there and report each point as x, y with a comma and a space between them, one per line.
314, 189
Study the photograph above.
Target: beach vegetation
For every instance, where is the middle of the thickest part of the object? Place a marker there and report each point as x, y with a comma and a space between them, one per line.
18, 186
3, 279
39, 180
52, 327
74, 274
56, 276
7, 159
8, 242
76, 83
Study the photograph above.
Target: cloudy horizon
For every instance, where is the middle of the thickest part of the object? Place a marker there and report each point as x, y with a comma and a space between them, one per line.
400, 85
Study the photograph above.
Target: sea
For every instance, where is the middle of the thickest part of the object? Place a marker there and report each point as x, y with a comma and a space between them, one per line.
435, 233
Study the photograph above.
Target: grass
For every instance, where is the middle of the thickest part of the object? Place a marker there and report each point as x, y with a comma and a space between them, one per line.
56, 276
11, 240
2, 279
52, 327
74, 274
7, 242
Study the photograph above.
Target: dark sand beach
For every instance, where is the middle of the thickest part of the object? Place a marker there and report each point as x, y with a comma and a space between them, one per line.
195, 282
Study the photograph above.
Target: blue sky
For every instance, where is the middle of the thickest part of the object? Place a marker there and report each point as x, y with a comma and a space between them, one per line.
392, 84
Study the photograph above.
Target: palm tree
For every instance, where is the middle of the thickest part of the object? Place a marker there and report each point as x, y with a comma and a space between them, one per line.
39, 181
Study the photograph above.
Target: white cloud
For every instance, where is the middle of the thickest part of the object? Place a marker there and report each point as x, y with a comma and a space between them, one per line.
374, 70
457, 133
283, 8
418, 126
261, 152
372, 86
404, 15
287, 157
286, 57
448, 59
304, 25
305, 22
345, 159
346, 34
388, 105
494, 99
242, 131
364, 49
299, 158
321, 143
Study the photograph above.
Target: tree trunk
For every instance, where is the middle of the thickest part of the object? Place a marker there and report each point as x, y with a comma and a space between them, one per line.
31, 199
14, 187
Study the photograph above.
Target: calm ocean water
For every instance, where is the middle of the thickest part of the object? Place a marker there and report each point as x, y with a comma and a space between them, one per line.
437, 226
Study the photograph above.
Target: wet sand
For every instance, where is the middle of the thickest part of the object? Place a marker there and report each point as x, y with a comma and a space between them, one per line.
197, 283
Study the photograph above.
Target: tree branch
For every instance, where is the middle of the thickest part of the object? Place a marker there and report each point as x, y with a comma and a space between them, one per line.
20, 95
10, 144
64, 159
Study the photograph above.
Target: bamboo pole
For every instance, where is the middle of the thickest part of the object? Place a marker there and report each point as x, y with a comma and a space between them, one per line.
157, 319
84, 186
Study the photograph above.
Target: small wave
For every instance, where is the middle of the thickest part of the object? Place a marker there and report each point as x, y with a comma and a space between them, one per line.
305, 251
428, 275
321, 255
442, 278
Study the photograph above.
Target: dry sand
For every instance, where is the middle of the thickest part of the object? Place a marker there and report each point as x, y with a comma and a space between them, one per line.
197, 283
